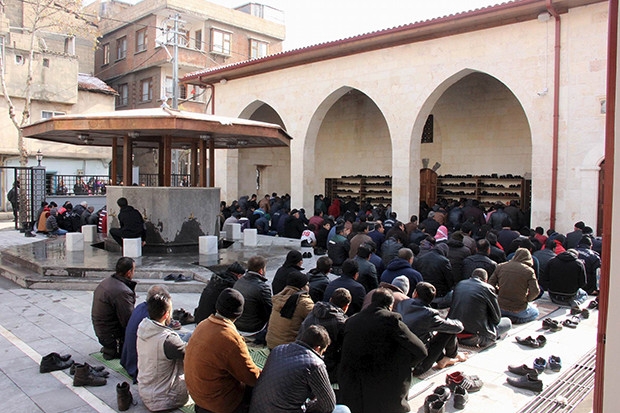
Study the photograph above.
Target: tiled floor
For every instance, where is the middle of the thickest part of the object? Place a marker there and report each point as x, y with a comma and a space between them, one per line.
36, 322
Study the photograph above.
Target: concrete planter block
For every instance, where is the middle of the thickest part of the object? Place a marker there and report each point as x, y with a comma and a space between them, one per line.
74, 241
90, 232
235, 232
250, 237
207, 244
132, 247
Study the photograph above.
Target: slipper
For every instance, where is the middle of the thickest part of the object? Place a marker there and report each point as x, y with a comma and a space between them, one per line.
531, 342
571, 322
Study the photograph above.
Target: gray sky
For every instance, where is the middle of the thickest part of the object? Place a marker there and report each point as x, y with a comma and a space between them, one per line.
316, 21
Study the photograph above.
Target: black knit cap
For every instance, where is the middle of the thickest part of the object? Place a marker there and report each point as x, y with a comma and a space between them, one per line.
297, 279
236, 268
230, 303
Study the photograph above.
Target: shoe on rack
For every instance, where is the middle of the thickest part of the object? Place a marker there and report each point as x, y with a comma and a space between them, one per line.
522, 370
53, 362
528, 382
461, 397
124, 398
443, 392
551, 324
555, 363
84, 377
470, 383
540, 364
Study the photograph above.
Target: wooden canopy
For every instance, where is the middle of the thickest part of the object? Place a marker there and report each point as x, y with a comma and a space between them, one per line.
161, 128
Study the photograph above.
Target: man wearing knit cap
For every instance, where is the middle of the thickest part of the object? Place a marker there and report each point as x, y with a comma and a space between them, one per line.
399, 287
217, 284
219, 371
290, 308
292, 265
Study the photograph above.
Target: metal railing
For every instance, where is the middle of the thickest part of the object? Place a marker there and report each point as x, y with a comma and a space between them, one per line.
96, 184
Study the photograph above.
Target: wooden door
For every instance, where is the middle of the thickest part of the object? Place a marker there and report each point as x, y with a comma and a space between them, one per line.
428, 186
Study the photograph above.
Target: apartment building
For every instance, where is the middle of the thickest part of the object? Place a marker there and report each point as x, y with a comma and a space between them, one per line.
136, 50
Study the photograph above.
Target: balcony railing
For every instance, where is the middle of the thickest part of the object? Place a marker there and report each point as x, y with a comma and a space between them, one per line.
96, 184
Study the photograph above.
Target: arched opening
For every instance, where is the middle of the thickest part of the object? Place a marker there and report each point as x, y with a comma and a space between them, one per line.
477, 138
353, 141
264, 170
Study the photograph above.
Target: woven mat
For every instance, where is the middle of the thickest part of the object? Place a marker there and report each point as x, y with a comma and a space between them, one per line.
545, 308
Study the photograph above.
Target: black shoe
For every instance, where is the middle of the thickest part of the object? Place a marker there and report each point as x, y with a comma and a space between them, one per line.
522, 370
54, 361
528, 341
98, 371
593, 305
429, 400
443, 392
461, 397
124, 398
551, 324
84, 377
528, 382
555, 363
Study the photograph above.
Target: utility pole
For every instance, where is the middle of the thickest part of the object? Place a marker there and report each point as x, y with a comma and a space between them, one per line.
177, 24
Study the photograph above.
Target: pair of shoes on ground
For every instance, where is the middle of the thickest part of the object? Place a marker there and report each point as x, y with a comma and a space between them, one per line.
177, 277
583, 312
436, 402
306, 255
54, 362
98, 371
85, 375
529, 381
551, 324
528, 341
539, 365
470, 383
572, 322
183, 316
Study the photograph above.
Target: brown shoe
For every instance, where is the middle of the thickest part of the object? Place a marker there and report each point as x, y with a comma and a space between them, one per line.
85, 377
124, 397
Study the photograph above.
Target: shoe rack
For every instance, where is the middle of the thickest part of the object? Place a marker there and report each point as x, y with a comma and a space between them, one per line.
376, 189
488, 189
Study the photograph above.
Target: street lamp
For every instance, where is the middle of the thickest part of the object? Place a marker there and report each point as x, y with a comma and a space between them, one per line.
39, 157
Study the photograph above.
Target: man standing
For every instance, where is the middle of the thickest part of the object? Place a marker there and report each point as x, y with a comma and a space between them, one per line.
474, 303
113, 302
13, 197
131, 223
257, 296
295, 378
378, 353
516, 284
219, 371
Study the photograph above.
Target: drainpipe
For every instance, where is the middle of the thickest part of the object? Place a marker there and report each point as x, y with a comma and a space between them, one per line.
610, 132
556, 112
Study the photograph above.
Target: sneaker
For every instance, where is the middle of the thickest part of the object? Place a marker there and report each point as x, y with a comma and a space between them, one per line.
461, 397
528, 382
540, 364
470, 383
522, 370
555, 363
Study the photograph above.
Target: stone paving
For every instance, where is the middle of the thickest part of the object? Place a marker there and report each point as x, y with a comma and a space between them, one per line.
36, 322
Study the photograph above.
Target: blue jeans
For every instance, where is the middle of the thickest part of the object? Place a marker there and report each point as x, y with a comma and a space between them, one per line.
341, 408
529, 314
576, 300
59, 231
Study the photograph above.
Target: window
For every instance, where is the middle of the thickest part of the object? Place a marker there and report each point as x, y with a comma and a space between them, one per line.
121, 48
183, 38
427, 132
141, 40
198, 40
19, 59
169, 86
220, 42
146, 88
106, 53
46, 62
47, 114
257, 49
123, 95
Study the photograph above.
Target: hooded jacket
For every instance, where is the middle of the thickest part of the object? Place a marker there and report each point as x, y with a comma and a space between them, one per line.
160, 367
516, 282
565, 274
400, 266
283, 330
333, 319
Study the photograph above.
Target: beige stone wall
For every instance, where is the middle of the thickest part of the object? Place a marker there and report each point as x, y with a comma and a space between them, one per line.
409, 82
